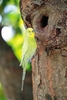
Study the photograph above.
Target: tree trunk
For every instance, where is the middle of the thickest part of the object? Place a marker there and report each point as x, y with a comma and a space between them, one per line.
49, 67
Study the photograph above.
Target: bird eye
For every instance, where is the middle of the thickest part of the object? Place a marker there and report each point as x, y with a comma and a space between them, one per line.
29, 31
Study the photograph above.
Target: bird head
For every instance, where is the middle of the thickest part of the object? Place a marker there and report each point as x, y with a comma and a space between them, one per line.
30, 33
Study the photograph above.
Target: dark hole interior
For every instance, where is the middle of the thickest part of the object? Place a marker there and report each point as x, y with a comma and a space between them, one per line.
58, 31
44, 21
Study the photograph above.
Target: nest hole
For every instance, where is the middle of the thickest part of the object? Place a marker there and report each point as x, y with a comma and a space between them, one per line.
58, 31
44, 21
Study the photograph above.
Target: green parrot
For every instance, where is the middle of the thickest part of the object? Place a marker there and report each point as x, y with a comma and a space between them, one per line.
2, 95
28, 50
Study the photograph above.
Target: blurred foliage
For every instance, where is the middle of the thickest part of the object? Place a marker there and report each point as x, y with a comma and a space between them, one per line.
10, 13
2, 95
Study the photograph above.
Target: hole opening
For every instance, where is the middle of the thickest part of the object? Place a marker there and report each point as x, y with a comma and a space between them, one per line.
44, 21
58, 31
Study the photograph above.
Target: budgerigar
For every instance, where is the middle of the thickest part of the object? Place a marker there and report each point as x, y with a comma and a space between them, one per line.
28, 50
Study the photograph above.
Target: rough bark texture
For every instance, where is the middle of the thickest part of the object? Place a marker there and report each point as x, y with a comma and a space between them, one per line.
49, 67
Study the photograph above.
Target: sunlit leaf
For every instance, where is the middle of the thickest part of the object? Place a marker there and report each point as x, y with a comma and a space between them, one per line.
11, 18
16, 41
16, 44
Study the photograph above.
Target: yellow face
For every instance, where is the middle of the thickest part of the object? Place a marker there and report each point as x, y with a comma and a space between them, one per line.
31, 33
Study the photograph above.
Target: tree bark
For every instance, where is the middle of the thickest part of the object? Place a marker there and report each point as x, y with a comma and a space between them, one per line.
49, 67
